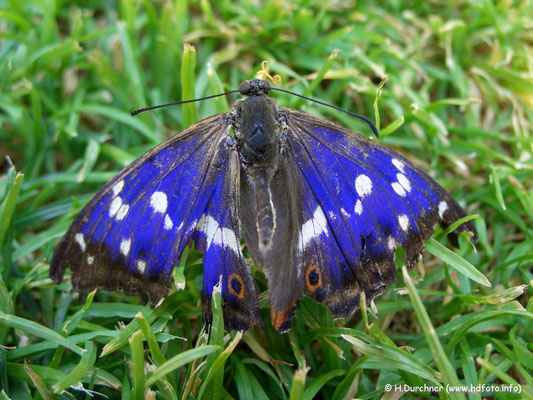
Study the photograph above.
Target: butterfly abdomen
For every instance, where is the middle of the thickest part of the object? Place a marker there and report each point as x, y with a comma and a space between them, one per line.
265, 210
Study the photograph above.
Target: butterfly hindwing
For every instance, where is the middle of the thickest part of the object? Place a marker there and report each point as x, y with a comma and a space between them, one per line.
328, 272
361, 201
224, 262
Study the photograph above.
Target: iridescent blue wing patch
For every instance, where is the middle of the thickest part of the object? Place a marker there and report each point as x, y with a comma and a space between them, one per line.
135, 229
360, 201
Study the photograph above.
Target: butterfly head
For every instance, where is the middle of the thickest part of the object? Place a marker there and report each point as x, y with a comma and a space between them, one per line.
254, 87
257, 123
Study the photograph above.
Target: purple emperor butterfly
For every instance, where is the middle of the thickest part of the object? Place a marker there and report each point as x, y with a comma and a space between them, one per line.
321, 209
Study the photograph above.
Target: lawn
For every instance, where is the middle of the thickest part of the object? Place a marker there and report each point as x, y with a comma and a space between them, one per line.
450, 87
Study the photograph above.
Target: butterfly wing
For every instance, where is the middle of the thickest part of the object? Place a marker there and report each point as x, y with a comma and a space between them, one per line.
224, 262
132, 233
360, 201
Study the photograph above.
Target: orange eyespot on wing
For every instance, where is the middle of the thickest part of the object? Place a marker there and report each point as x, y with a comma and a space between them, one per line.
236, 286
313, 278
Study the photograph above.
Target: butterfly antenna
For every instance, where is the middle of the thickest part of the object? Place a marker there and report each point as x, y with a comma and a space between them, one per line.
140, 110
368, 121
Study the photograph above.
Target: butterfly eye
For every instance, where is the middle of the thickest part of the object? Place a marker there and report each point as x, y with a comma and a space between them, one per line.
244, 87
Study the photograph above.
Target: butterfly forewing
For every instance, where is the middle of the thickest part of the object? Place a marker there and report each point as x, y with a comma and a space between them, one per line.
133, 232
368, 200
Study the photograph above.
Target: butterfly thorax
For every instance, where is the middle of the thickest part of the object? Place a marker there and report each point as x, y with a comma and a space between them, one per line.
257, 130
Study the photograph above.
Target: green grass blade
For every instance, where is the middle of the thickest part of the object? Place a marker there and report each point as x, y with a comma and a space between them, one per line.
470, 321
525, 392
298, 384
392, 127
180, 360
449, 377
215, 377
215, 371
392, 357
456, 262
38, 330
155, 350
308, 92
89, 160
123, 117
122, 338
314, 388
8, 206
221, 103
131, 66
86, 363
379, 91
40, 384
188, 64
137, 358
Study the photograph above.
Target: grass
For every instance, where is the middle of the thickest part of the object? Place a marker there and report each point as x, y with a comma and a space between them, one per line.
457, 101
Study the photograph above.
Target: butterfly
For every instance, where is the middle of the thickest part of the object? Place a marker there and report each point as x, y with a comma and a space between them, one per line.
321, 209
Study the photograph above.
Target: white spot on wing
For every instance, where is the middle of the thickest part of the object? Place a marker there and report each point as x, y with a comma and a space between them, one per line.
345, 213
313, 228
215, 234
358, 209
398, 164
141, 266
118, 187
90, 260
122, 211
158, 201
229, 239
168, 223
398, 189
391, 243
402, 180
80, 239
114, 207
403, 220
125, 245
195, 225
443, 206
363, 185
